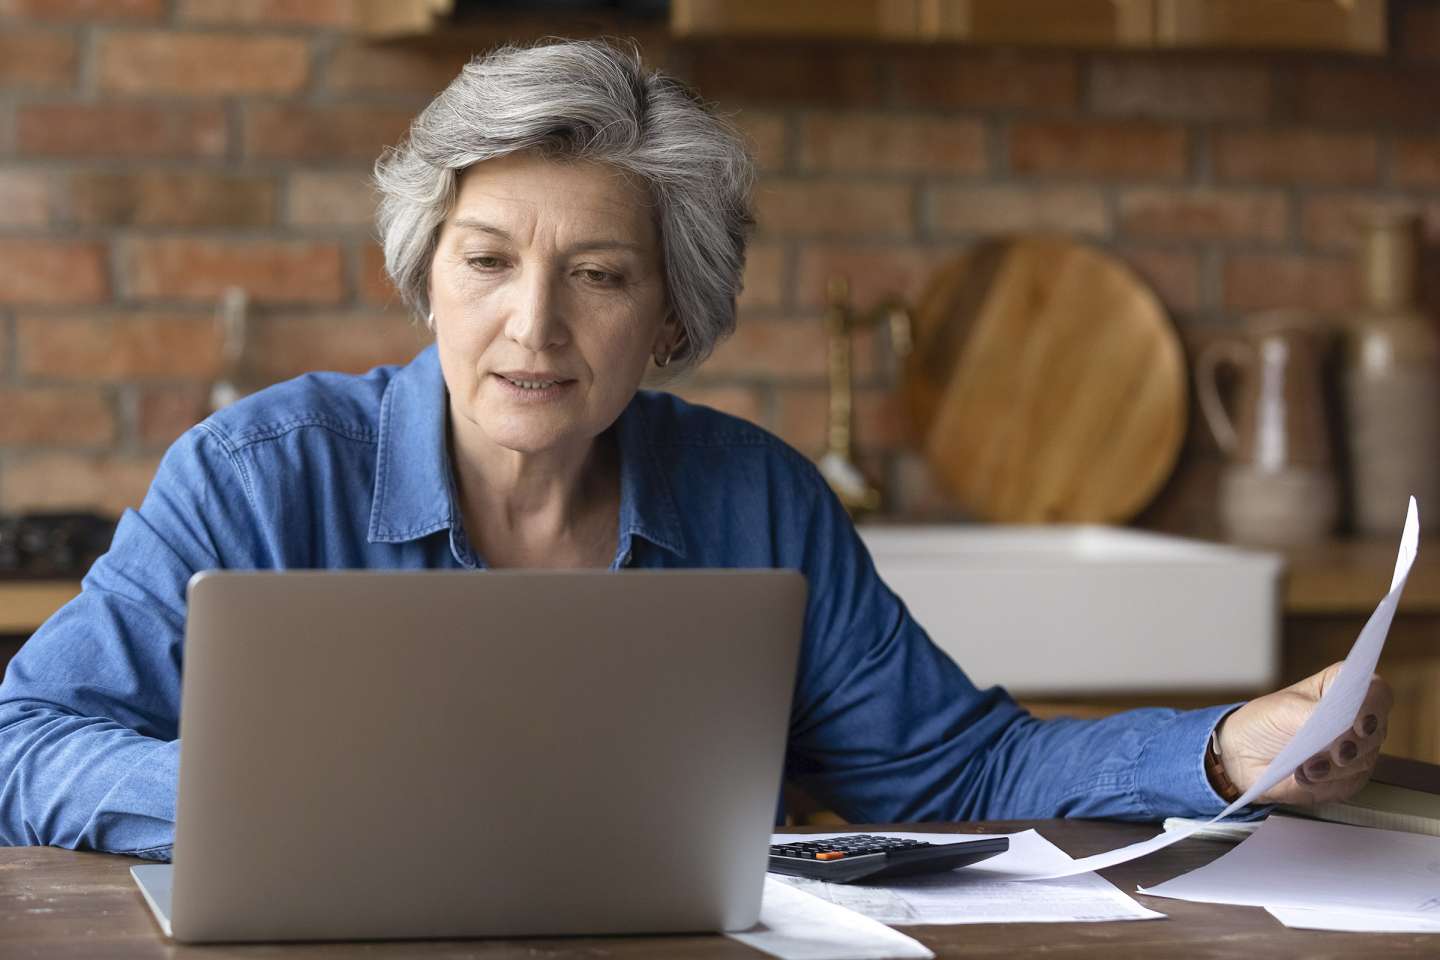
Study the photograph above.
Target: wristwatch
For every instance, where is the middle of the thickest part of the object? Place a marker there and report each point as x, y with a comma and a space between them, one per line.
1215, 770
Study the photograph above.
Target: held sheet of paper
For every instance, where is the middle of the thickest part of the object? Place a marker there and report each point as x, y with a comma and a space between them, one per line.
981, 892
1333, 715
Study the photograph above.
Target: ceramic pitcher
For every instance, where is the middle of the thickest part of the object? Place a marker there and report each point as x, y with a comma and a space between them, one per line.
1278, 485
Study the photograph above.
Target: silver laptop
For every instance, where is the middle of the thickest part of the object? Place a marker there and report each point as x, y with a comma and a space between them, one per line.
375, 755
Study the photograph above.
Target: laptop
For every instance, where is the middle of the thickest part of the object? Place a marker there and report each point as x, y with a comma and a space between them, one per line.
378, 755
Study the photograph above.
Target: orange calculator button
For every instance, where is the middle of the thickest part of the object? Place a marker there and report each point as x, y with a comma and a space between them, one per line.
833, 855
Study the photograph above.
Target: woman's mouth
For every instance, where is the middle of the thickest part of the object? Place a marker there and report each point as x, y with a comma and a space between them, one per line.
532, 388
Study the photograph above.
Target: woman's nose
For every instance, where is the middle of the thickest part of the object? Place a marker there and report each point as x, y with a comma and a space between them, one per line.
535, 321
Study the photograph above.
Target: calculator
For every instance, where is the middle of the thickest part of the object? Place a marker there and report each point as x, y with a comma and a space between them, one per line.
865, 857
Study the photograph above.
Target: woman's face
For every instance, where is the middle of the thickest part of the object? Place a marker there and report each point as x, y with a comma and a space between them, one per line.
549, 299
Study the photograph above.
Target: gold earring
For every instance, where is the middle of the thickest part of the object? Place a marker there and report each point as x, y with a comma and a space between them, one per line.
665, 361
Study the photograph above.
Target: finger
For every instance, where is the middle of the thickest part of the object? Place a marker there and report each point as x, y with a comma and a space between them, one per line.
1315, 685
1375, 708
1341, 789
1344, 752
1324, 766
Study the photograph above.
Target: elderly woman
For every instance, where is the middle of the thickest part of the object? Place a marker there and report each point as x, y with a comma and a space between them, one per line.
563, 220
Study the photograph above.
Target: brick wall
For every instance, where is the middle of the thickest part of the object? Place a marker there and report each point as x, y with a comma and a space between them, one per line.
154, 152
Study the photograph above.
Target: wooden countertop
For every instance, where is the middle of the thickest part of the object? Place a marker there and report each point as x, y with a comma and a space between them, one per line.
1338, 578
1350, 577
92, 908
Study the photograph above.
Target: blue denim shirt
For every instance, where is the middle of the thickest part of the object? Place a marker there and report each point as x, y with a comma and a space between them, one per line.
333, 471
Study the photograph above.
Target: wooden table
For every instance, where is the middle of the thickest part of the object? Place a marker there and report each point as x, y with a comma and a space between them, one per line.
57, 904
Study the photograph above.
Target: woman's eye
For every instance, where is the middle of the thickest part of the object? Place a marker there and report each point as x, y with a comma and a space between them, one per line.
598, 277
485, 262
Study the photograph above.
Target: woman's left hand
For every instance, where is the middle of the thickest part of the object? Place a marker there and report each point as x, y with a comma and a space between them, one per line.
1252, 736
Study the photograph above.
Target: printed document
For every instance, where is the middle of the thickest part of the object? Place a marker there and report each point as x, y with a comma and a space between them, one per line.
982, 892
796, 926
1317, 865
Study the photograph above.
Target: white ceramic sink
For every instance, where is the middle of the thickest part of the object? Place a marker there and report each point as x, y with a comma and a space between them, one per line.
1088, 609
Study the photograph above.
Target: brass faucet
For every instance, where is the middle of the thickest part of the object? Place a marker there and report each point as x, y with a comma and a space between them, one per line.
837, 463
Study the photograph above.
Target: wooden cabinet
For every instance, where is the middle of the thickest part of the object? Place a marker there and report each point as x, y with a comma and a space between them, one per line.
1351, 25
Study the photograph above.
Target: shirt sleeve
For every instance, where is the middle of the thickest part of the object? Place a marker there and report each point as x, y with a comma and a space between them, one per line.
888, 729
89, 707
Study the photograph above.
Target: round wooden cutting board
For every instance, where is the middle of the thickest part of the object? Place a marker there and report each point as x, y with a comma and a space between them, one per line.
1046, 384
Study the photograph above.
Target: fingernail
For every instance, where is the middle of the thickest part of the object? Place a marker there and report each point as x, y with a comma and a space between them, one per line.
1319, 768
1348, 751
1370, 723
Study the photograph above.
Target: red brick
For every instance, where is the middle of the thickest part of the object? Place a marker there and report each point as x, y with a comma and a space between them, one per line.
305, 13
1009, 209
25, 198
765, 133
1417, 162
343, 132
743, 402
37, 60
1271, 281
1372, 96
834, 207
52, 272
363, 67
1419, 31
287, 346
56, 417
873, 272
1297, 156
772, 73
195, 64
330, 198
1174, 275
764, 277
167, 411
85, 9
1205, 214
375, 286
1104, 149
856, 142
1000, 80
1338, 221
113, 130
771, 348
881, 422
1179, 88
125, 346
58, 481
166, 198
199, 268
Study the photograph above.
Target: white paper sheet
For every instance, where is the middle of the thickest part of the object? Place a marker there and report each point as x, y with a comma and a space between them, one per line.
983, 892
797, 926
1304, 918
1333, 715
1314, 864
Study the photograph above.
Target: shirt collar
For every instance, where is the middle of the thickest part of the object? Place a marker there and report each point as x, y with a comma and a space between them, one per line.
413, 493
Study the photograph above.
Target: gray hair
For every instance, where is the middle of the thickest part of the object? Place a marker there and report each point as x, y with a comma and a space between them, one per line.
583, 100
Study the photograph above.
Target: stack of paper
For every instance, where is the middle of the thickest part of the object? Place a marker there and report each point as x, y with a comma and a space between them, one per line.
1324, 876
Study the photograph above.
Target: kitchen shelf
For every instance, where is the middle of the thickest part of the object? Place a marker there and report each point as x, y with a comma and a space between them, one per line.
25, 604
1350, 577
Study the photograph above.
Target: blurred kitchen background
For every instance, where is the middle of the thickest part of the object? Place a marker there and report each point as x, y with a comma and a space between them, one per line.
1160, 264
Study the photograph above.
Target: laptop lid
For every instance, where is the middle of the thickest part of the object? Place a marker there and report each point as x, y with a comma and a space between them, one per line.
371, 754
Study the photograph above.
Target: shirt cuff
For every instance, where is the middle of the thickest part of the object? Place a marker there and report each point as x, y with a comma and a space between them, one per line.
1170, 775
